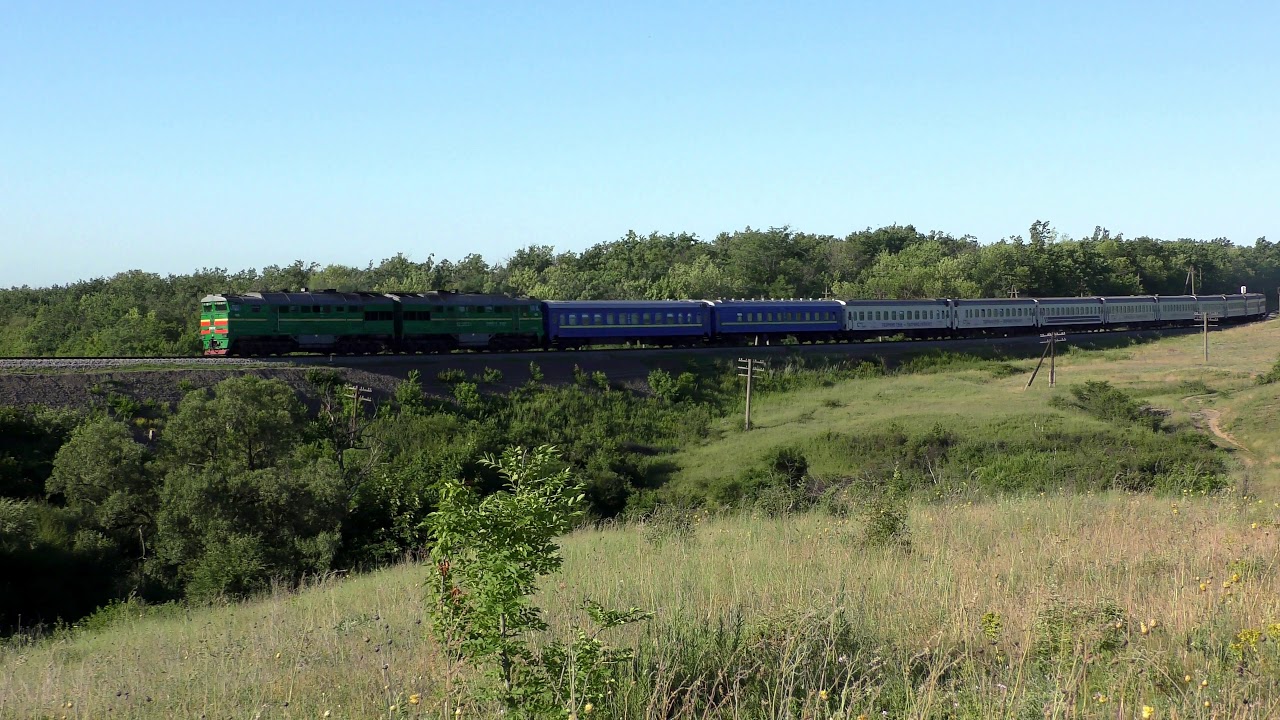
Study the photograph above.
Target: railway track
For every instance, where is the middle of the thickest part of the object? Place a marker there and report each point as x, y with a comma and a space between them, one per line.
853, 349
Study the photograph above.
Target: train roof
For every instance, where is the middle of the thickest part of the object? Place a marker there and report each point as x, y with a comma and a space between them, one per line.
774, 301
1065, 300
327, 297
642, 304
1128, 298
436, 297
883, 303
998, 301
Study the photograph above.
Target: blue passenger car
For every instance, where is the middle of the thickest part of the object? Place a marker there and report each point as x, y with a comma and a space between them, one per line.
773, 320
577, 323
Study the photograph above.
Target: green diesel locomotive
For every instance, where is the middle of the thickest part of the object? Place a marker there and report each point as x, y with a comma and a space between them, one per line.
353, 323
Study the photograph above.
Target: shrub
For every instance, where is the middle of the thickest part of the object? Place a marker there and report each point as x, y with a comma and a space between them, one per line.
468, 396
324, 379
884, 516
1099, 399
789, 465
489, 555
408, 395
1270, 376
451, 376
672, 389
668, 524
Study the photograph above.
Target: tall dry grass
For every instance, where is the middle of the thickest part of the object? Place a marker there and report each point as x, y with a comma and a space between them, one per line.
796, 592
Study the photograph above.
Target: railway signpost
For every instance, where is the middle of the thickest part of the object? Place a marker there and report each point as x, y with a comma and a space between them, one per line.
1050, 342
748, 367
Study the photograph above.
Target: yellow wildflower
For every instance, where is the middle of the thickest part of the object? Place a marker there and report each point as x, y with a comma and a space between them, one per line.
586, 709
414, 699
1148, 712
822, 695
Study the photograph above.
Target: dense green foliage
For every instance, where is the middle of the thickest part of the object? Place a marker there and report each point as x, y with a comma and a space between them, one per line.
140, 313
241, 486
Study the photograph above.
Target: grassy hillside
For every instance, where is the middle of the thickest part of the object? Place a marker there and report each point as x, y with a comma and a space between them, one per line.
1061, 604
988, 401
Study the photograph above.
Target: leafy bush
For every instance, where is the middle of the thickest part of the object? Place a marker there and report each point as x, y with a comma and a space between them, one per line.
1270, 376
1099, 399
489, 555
672, 389
884, 518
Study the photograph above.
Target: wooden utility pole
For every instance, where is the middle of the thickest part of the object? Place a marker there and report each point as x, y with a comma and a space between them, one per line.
358, 396
747, 368
1206, 318
1050, 342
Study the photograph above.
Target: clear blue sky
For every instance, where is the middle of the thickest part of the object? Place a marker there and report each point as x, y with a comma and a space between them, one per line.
161, 137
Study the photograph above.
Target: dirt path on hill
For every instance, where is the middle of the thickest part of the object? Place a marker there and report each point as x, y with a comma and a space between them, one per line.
1212, 419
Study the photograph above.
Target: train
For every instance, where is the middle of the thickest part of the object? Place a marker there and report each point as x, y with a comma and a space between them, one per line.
358, 323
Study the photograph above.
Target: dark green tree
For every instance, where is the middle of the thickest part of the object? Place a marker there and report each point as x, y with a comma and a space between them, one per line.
101, 475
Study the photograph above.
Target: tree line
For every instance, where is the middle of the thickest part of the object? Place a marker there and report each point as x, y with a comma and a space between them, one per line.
141, 313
